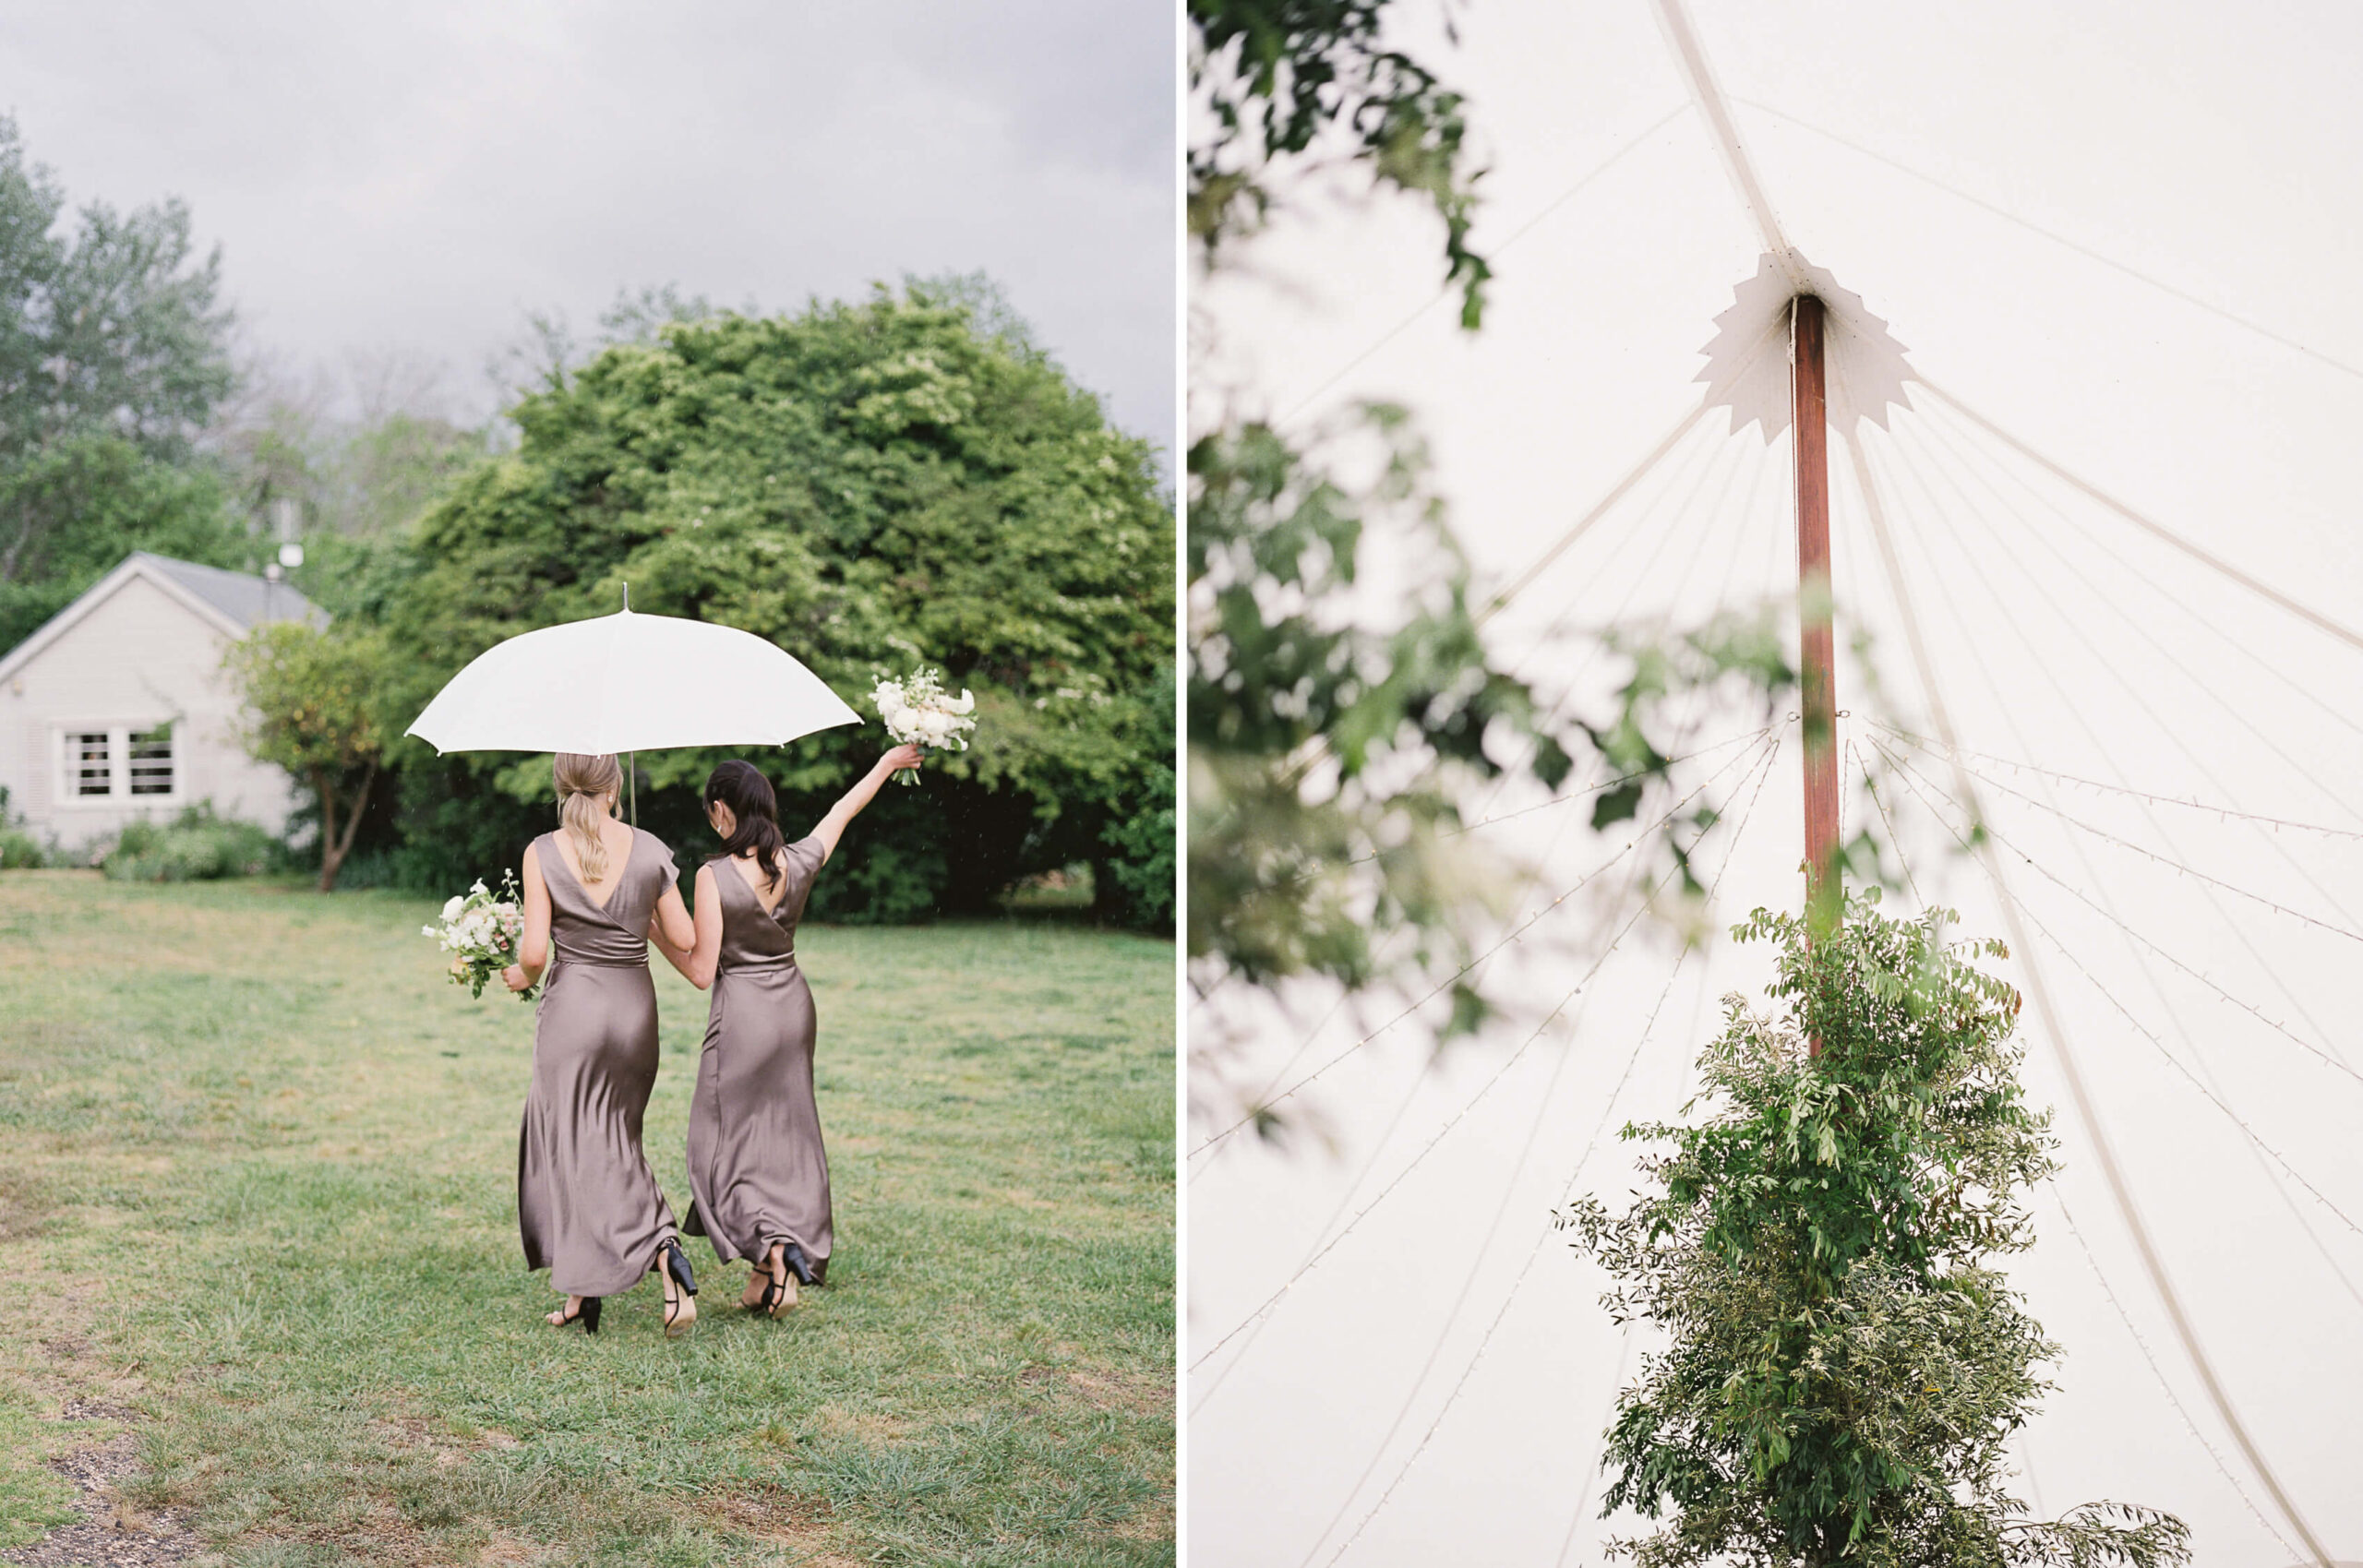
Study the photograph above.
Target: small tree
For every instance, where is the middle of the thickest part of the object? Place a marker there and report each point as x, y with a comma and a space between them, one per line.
309, 709
1844, 1370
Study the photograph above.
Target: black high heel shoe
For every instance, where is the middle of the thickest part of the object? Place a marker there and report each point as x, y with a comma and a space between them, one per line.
766, 1302
680, 1311
779, 1289
586, 1313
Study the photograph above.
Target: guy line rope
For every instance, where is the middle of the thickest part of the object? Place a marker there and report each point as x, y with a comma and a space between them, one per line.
2265, 1157
1515, 934
1962, 440
2087, 1112
2165, 727
2229, 813
2171, 731
1512, 1059
1345, 1198
2160, 1045
1772, 758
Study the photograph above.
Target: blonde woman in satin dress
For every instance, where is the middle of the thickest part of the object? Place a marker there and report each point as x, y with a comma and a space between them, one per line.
588, 1207
759, 1176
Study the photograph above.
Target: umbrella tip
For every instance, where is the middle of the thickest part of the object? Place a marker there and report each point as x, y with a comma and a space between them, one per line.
627, 598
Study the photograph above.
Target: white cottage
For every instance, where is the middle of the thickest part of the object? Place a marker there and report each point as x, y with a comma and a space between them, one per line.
118, 708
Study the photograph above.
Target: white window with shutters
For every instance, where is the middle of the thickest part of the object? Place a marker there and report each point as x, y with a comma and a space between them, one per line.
118, 763
149, 754
90, 764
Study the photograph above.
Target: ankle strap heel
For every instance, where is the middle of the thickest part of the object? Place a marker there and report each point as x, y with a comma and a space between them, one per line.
680, 1311
676, 1263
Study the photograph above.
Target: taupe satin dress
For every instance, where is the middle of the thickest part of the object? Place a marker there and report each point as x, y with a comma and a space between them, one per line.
588, 1206
758, 1173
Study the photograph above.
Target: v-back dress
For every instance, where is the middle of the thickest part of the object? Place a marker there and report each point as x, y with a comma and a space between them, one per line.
588, 1207
758, 1173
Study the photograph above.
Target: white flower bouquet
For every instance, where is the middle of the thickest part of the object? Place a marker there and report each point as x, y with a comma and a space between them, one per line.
917, 712
481, 933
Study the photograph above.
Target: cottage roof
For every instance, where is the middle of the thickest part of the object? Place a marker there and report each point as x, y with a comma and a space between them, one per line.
236, 601
244, 597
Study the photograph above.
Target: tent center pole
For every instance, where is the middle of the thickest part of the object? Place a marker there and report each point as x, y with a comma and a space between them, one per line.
1809, 428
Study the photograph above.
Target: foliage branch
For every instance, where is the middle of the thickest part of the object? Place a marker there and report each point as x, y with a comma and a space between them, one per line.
1331, 745
1844, 1366
1333, 733
1278, 77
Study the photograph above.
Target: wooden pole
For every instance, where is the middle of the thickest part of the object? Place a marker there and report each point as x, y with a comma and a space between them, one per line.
1809, 428
632, 759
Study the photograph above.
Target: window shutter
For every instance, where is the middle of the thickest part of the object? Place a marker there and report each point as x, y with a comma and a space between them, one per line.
151, 761
90, 762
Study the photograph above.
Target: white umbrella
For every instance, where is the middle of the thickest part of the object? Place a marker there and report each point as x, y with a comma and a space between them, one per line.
626, 683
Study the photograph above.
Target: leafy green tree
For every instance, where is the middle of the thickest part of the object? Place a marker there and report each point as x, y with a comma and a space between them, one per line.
1284, 78
1844, 1365
82, 502
116, 327
1145, 837
113, 356
990, 314
869, 486
312, 709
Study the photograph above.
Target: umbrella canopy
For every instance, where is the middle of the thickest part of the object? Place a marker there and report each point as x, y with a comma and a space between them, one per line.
630, 683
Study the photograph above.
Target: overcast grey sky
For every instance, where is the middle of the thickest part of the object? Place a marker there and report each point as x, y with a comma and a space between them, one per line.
413, 176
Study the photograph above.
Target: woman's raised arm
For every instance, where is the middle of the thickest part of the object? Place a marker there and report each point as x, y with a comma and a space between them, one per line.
849, 805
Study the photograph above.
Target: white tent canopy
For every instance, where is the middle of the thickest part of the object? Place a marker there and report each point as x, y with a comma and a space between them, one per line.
2120, 243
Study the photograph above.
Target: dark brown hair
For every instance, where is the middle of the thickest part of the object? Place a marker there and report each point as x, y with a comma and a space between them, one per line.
754, 810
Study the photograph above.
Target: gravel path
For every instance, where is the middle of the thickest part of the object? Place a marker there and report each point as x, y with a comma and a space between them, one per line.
109, 1533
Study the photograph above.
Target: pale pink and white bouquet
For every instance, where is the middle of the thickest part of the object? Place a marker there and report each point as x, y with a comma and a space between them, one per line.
916, 711
480, 931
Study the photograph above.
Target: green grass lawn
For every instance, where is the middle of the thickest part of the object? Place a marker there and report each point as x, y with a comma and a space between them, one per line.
258, 1167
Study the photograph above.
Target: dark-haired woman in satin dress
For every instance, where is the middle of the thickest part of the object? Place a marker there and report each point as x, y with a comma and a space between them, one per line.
588, 1208
759, 1176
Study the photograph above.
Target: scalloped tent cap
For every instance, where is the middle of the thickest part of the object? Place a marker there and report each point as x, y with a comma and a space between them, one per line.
1747, 361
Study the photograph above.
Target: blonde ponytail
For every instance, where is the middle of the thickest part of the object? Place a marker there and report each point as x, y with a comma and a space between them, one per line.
582, 783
